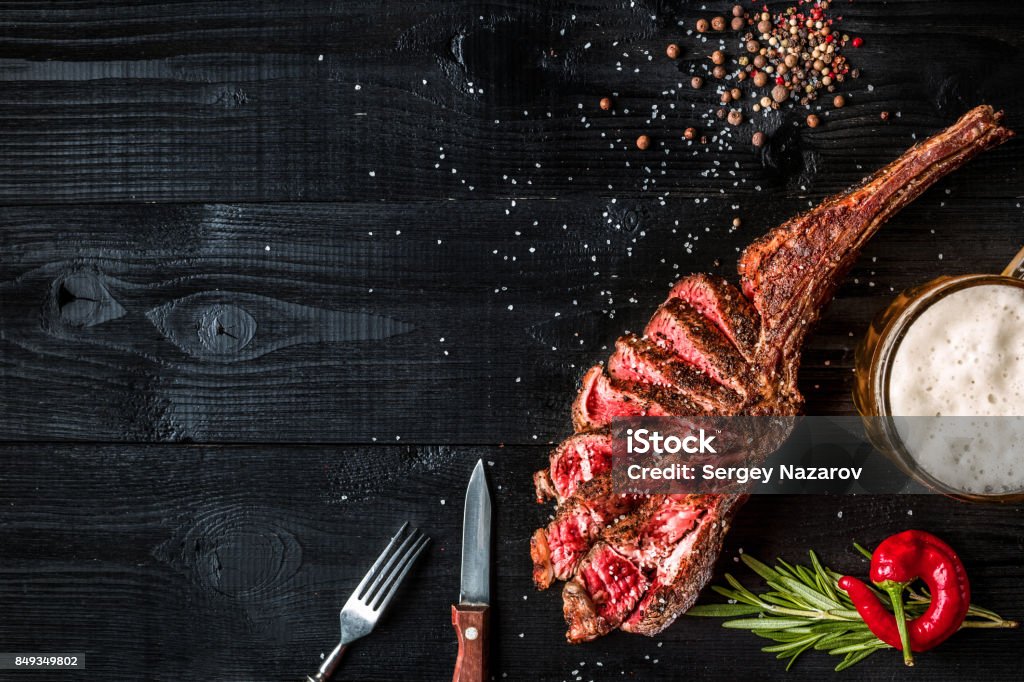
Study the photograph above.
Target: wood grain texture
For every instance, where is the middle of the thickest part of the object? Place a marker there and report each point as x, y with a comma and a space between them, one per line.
430, 322
230, 101
164, 562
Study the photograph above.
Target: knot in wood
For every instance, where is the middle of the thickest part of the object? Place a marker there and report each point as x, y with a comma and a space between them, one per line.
81, 300
225, 328
630, 220
623, 217
241, 553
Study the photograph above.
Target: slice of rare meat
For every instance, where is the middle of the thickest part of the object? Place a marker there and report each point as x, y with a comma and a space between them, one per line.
649, 534
679, 328
603, 398
557, 549
653, 543
606, 589
724, 305
683, 571
579, 458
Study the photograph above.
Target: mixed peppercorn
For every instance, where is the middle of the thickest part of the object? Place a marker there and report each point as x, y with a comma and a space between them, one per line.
791, 57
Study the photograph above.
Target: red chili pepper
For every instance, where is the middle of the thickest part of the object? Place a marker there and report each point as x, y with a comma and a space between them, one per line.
896, 563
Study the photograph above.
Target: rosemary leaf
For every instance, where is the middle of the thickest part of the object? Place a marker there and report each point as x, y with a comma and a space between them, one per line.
724, 610
855, 658
766, 623
748, 596
830, 627
863, 551
862, 643
788, 646
784, 600
809, 595
777, 635
793, 658
785, 569
736, 596
804, 574
845, 614
757, 567
828, 642
824, 581
983, 613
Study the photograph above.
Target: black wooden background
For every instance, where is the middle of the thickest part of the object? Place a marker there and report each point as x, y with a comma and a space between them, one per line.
417, 229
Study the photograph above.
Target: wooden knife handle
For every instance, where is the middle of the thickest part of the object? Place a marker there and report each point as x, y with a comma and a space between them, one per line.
471, 626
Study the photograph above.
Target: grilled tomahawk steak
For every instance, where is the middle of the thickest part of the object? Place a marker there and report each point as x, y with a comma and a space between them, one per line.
638, 562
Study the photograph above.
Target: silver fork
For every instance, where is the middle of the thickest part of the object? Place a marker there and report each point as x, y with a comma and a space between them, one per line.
374, 593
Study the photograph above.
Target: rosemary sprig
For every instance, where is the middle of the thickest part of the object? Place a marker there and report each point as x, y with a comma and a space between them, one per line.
805, 610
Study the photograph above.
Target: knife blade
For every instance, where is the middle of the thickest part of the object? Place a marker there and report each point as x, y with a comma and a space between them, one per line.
470, 615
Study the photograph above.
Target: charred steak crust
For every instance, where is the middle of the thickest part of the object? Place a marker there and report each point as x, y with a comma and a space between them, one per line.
639, 569
557, 549
630, 573
671, 596
603, 397
724, 305
645, 362
682, 331
792, 272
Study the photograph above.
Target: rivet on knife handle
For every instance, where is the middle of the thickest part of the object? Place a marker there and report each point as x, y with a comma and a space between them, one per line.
472, 628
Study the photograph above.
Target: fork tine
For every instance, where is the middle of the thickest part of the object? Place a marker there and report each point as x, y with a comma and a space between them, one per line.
388, 567
380, 560
388, 590
378, 586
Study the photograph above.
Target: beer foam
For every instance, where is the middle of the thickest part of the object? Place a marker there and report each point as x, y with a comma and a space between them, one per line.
964, 357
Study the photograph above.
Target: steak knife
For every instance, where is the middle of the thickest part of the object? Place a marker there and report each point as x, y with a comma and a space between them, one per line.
470, 615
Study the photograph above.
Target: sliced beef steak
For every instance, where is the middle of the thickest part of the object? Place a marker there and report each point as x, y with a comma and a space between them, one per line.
642, 361
681, 330
602, 398
682, 572
578, 459
640, 558
643, 570
724, 305
556, 550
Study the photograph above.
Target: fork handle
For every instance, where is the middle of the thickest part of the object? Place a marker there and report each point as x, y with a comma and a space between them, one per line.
471, 626
329, 665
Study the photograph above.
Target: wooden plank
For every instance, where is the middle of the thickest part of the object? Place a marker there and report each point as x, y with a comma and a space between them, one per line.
226, 101
173, 562
319, 322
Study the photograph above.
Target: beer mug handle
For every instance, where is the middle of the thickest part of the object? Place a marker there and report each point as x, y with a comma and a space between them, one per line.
1016, 267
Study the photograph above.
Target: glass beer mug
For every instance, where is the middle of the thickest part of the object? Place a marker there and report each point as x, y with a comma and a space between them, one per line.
874, 365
